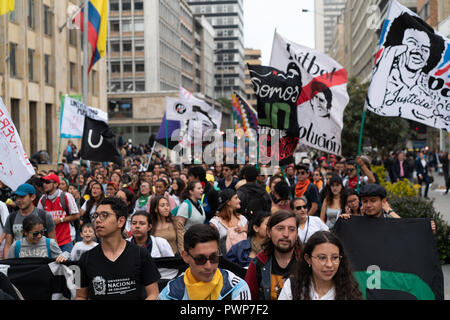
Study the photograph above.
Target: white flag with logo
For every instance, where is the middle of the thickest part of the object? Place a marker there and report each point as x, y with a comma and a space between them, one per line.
15, 168
324, 96
411, 74
72, 124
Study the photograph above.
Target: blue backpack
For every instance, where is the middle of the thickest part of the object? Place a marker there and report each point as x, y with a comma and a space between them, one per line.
18, 246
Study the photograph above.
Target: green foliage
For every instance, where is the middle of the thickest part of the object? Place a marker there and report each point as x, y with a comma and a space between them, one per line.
416, 207
383, 133
403, 188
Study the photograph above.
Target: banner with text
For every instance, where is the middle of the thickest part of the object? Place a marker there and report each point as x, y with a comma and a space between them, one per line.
15, 168
323, 96
73, 118
411, 75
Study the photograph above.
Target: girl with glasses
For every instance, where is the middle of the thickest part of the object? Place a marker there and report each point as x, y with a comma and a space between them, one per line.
323, 272
308, 224
34, 244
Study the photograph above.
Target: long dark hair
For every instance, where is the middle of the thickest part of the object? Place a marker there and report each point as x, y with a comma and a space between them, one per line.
329, 194
154, 213
189, 187
345, 283
181, 185
86, 218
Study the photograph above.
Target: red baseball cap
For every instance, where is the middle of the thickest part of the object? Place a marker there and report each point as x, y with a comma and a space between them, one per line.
52, 177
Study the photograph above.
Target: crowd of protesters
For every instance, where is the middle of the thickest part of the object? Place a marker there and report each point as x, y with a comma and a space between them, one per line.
275, 223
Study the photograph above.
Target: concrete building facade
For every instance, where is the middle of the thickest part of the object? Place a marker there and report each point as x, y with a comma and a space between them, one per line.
227, 19
327, 13
252, 57
39, 62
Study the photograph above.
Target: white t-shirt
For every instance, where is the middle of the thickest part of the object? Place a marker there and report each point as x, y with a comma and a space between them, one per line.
286, 292
313, 225
222, 229
79, 248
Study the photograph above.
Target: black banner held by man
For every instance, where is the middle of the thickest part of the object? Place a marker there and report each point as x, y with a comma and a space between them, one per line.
98, 142
393, 259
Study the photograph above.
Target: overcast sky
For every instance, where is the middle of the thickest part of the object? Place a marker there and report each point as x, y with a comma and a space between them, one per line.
262, 17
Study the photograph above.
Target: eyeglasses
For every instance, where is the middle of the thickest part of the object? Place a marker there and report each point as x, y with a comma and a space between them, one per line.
301, 207
101, 215
335, 259
350, 170
37, 233
201, 260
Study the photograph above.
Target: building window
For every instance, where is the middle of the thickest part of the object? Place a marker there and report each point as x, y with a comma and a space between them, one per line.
33, 127
139, 45
15, 113
115, 26
72, 75
15, 15
114, 6
127, 67
424, 13
30, 14
73, 37
140, 86
126, 5
139, 25
47, 67
48, 21
138, 5
30, 64
115, 67
140, 67
120, 108
13, 59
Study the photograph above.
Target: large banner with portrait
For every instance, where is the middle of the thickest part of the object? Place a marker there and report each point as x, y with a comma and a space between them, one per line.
411, 74
323, 97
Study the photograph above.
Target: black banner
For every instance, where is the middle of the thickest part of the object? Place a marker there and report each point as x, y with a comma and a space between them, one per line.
393, 259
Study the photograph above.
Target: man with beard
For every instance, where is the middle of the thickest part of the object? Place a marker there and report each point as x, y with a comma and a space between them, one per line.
272, 266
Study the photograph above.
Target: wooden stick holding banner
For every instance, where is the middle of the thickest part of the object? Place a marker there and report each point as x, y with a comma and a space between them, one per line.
150, 157
167, 139
360, 147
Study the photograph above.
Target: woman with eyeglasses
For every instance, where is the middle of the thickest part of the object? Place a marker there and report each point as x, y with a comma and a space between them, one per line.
308, 224
34, 244
322, 273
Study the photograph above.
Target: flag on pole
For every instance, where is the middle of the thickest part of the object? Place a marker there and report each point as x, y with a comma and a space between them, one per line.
15, 167
99, 142
323, 97
411, 73
6, 6
166, 130
98, 28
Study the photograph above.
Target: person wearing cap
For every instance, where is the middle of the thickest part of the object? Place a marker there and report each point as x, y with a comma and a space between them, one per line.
63, 213
25, 195
231, 225
306, 188
366, 176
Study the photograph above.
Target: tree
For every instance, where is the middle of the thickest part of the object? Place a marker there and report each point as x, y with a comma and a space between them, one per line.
383, 133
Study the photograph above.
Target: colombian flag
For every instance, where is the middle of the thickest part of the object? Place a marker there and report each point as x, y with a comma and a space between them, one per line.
6, 6
98, 28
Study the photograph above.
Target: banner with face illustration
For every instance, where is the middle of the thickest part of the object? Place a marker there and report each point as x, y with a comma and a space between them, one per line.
411, 74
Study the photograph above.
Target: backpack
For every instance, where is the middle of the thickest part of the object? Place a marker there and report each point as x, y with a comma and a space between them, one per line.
41, 213
18, 246
62, 201
174, 211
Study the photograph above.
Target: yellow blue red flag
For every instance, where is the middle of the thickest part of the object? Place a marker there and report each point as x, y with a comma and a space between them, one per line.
98, 28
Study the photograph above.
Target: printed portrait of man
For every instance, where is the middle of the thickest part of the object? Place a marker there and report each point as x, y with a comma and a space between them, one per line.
411, 51
321, 99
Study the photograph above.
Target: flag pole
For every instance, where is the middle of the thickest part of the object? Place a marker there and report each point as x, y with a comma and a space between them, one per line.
86, 53
167, 138
360, 145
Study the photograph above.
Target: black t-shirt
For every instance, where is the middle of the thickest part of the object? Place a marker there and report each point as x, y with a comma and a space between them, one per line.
124, 279
279, 276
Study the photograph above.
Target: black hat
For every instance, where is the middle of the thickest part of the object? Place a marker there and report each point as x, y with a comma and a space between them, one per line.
372, 190
225, 196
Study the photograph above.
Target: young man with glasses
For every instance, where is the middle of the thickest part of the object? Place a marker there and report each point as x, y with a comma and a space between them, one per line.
116, 269
203, 280
63, 208
274, 264
25, 195
306, 188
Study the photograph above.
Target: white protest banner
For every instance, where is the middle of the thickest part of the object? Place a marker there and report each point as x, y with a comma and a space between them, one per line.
411, 75
323, 97
177, 111
15, 168
72, 125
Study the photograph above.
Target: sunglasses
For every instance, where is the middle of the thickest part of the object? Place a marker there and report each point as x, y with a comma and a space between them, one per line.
301, 207
302, 172
201, 260
37, 233
48, 181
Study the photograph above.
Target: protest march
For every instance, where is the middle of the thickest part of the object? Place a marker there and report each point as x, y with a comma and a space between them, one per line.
275, 206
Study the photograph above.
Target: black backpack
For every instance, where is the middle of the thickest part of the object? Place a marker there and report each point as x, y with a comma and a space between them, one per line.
253, 202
